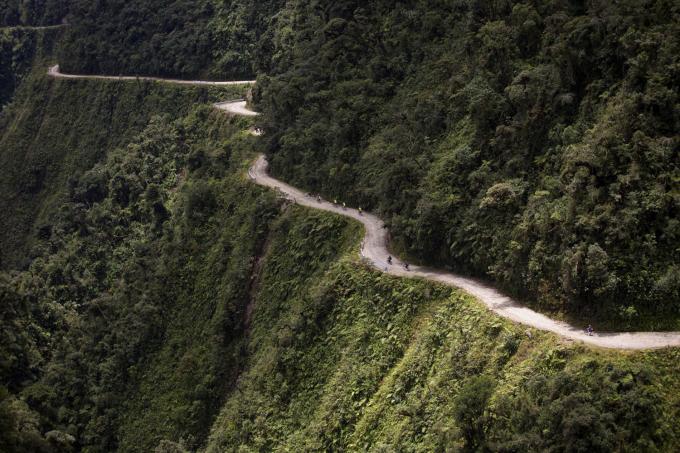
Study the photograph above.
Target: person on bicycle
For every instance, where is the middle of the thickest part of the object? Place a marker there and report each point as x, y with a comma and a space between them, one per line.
589, 330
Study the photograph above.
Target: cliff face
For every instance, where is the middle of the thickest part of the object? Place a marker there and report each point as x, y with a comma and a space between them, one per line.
172, 304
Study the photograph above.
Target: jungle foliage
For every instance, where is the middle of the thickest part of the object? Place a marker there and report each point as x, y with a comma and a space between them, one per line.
54, 130
530, 142
19, 48
349, 359
129, 323
179, 38
171, 298
32, 12
153, 299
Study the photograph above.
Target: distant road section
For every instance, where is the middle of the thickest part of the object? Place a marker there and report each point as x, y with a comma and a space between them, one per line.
33, 27
54, 72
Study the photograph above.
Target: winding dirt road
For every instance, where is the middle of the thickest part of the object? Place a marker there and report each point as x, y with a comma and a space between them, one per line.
374, 250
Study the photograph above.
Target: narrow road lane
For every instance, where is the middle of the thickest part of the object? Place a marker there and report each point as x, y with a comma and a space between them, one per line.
235, 107
375, 250
54, 72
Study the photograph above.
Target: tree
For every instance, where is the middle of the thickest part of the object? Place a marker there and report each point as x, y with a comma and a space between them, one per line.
470, 411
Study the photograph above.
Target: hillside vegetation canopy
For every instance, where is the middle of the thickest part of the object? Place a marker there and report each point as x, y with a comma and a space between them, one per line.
154, 299
171, 305
32, 12
533, 143
177, 38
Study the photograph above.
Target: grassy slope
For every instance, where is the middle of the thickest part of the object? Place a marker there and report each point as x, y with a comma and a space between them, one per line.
344, 358
19, 47
57, 129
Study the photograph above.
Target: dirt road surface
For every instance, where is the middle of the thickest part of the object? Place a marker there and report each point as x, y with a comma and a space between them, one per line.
375, 248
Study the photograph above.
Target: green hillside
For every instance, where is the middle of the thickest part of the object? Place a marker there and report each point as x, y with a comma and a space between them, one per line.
347, 359
176, 304
57, 129
531, 143
143, 273
19, 48
32, 12
154, 299
178, 38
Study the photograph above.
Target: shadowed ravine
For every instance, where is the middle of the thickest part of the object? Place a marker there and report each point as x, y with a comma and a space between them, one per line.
375, 251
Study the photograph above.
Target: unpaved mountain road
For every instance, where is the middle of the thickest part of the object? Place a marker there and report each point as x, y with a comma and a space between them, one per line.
33, 27
374, 250
236, 107
54, 72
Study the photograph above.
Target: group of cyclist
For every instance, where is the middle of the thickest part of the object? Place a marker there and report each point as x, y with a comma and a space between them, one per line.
335, 202
344, 206
389, 262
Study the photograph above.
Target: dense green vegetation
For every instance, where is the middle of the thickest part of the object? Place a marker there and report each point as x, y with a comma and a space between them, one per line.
169, 290
209, 38
534, 143
129, 323
32, 12
56, 129
18, 50
346, 359
153, 299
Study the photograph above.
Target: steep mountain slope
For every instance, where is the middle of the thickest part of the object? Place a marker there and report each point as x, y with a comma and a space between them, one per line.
57, 129
188, 39
132, 309
158, 300
19, 48
343, 358
534, 143
181, 291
